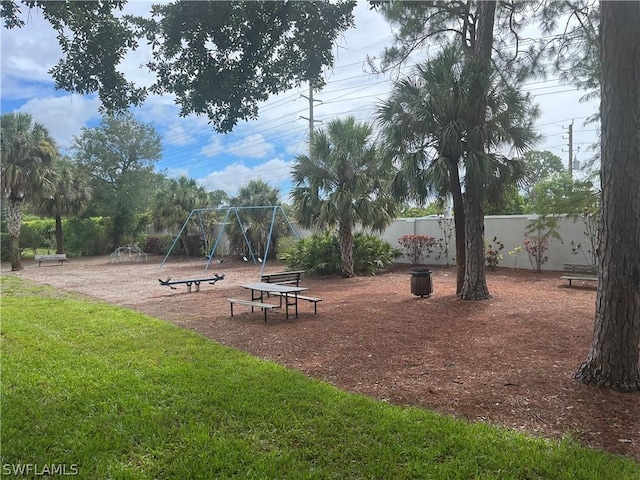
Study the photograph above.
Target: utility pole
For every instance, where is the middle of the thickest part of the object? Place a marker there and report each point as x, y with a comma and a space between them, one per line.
570, 127
310, 118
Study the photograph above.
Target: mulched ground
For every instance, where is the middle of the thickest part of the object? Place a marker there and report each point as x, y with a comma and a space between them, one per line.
508, 360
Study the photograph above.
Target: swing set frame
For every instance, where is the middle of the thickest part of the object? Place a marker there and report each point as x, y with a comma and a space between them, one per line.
229, 211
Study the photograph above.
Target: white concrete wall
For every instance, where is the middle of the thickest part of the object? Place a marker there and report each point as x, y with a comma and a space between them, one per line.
509, 229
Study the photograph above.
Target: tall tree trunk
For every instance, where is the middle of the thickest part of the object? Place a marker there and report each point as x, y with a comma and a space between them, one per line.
478, 62
59, 236
459, 221
346, 249
613, 360
14, 223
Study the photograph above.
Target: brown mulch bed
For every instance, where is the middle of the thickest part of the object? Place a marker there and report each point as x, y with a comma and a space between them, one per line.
508, 360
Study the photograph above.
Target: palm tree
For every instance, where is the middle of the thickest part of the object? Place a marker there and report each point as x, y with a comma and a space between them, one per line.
256, 221
343, 183
173, 203
27, 154
425, 126
70, 196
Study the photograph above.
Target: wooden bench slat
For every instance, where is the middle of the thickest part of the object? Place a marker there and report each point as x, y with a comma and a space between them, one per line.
580, 272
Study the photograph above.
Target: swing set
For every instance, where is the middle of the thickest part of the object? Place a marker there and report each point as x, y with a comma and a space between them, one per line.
197, 213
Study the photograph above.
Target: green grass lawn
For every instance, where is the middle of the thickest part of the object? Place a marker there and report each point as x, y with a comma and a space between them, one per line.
111, 393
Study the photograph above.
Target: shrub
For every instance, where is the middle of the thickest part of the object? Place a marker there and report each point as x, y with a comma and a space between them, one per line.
371, 253
87, 236
160, 245
492, 254
417, 246
536, 248
319, 254
590, 251
5, 250
30, 237
538, 235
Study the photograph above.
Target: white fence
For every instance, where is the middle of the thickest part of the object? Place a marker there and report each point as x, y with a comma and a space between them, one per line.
508, 229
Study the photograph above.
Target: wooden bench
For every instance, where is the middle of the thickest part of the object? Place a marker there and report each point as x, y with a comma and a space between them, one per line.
253, 304
313, 300
574, 271
194, 281
289, 278
56, 257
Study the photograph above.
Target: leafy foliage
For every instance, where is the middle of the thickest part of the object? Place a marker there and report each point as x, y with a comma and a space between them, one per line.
493, 255
541, 165
343, 183
538, 235
27, 150
590, 251
256, 218
88, 236
172, 205
120, 155
561, 194
319, 254
217, 58
70, 196
417, 246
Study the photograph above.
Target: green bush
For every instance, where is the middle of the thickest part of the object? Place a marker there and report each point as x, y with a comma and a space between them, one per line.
5, 250
319, 254
30, 237
371, 253
160, 245
87, 236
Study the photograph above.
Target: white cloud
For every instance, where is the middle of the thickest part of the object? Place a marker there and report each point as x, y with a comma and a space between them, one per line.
213, 147
237, 175
252, 146
28, 53
63, 116
178, 135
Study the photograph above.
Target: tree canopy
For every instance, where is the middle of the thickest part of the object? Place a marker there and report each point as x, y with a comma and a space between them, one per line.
28, 152
343, 183
120, 155
220, 59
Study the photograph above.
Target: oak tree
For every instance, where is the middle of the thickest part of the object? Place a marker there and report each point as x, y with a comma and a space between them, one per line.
219, 58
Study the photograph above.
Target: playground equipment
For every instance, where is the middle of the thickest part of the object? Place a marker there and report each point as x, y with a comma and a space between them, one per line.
192, 281
127, 253
229, 211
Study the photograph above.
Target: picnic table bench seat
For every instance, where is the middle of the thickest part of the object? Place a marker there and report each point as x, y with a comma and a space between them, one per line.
573, 271
55, 257
253, 304
313, 300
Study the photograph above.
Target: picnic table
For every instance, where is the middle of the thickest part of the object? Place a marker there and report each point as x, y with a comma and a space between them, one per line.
260, 289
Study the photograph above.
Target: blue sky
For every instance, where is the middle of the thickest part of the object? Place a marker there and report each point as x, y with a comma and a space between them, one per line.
261, 149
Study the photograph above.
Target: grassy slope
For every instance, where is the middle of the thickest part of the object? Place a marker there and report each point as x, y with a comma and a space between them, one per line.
123, 395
